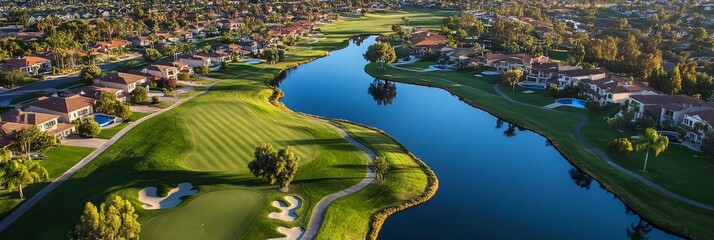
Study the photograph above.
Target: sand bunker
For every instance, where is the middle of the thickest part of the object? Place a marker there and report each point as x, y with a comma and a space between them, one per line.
290, 233
152, 201
287, 213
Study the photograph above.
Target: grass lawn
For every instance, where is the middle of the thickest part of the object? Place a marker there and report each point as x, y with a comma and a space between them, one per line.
538, 97
418, 65
559, 54
108, 133
58, 161
28, 80
208, 141
681, 173
75, 84
216, 215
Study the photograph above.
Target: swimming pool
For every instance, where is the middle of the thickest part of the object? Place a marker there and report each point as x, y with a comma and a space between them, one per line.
489, 73
439, 67
576, 103
251, 62
104, 120
532, 85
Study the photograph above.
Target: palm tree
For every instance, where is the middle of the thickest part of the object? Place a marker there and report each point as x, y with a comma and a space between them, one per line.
652, 140
20, 172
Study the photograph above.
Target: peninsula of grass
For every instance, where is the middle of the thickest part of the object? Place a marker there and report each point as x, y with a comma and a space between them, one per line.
208, 142
674, 215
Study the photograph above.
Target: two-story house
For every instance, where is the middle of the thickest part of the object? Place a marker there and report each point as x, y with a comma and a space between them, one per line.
670, 108
45, 122
30, 65
67, 108
127, 82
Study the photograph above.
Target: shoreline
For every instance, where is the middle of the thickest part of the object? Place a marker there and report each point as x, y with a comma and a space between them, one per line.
377, 218
683, 233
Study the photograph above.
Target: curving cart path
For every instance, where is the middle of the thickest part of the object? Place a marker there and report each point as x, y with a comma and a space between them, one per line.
318, 213
40, 195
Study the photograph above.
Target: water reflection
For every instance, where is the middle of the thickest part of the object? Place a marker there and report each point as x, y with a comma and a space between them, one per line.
382, 91
639, 231
580, 178
359, 39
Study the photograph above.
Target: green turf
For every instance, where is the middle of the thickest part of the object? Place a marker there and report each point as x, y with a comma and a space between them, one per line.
217, 215
28, 97
676, 216
418, 65
58, 161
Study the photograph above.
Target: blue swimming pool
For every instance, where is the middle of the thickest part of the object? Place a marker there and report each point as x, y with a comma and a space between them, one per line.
439, 67
577, 103
532, 85
489, 73
252, 62
104, 120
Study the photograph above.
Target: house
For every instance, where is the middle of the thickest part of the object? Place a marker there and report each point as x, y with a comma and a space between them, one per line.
670, 108
7, 130
614, 90
423, 40
230, 24
505, 62
94, 91
547, 72
74, 60
30, 65
67, 108
215, 57
140, 41
194, 61
696, 124
45, 122
109, 47
127, 82
180, 66
161, 71
574, 77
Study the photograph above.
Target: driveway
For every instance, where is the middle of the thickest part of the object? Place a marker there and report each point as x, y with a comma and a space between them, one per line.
78, 141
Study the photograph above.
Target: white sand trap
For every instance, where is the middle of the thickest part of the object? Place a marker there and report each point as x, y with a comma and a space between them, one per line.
152, 201
290, 233
287, 213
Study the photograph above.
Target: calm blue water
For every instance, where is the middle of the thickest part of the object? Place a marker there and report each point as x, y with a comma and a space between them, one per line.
577, 103
496, 181
103, 120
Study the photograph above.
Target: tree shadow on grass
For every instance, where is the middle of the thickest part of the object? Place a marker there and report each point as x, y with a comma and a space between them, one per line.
327, 143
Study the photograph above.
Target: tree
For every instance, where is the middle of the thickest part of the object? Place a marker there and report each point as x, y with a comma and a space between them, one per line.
151, 54
652, 140
275, 166
122, 111
512, 77
673, 84
9, 79
708, 144
106, 103
89, 73
116, 220
31, 139
89, 128
622, 23
224, 65
17, 172
620, 146
380, 167
203, 70
286, 166
380, 53
139, 95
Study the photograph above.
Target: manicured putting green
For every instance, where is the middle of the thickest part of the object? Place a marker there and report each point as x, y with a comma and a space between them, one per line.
215, 215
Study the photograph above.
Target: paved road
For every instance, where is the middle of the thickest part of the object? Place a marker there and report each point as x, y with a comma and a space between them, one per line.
578, 136
319, 211
48, 85
40, 195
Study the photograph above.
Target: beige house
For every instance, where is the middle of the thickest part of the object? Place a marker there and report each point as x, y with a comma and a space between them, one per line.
45, 122
30, 65
124, 81
161, 71
68, 108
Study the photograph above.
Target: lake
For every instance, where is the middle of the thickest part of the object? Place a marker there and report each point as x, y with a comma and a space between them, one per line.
496, 181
